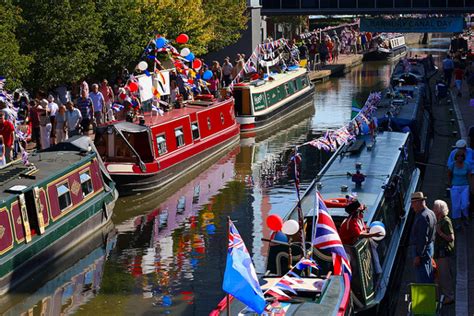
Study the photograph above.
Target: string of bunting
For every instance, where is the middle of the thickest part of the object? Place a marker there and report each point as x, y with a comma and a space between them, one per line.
363, 123
326, 29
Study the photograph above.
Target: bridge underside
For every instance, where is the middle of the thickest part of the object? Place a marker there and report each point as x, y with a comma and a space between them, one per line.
359, 7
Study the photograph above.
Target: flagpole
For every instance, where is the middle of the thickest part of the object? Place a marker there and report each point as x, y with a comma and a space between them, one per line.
300, 211
228, 295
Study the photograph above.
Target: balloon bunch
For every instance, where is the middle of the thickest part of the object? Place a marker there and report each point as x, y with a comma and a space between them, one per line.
282, 229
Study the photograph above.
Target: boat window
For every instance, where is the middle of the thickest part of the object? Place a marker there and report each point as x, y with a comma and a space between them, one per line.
181, 204
161, 143
195, 130
209, 123
179, 137
304, 81
64, 196
141, 144
197, 191
222, 119
86, 183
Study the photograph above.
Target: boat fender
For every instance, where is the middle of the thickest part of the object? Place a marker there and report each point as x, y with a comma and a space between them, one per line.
336, 202
204, 97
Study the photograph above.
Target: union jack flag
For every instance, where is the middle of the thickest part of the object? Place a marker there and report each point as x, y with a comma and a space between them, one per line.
326, 237
235, 240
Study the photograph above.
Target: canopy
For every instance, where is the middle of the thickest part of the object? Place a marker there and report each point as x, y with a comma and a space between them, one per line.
130, 127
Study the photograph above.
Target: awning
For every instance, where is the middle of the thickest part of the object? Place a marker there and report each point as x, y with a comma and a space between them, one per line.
84, 177
62, 189
160, 139
130, 127
178, 132
194, 126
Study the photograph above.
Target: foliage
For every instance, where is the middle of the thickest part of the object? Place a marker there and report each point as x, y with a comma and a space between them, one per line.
290, 23
123, 24
228, 19
13, 65
64, 37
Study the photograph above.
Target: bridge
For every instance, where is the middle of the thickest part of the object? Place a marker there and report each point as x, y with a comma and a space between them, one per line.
358, 7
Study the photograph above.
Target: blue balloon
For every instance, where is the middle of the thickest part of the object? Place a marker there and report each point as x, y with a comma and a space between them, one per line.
160, 42
377, 223
279, 236
190, 57
167, 300
211, 228
365, 128
207, 75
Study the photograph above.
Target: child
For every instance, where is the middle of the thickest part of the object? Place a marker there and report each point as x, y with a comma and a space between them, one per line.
213, 84
2, 152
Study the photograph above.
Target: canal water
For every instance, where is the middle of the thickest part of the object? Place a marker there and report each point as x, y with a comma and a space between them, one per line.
166, 253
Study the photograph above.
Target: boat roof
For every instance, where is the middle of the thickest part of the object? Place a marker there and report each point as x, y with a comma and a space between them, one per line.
407, 112
378, 165
16, 178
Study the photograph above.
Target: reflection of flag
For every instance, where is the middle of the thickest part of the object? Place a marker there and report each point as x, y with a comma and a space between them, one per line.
355, 109
326, 237
240, 279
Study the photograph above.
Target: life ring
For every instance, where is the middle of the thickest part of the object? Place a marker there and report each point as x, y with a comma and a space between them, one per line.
204, 97
336, 202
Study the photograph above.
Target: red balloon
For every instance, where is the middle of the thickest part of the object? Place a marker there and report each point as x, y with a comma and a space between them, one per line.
133, 86
197, 63
274, 222
122, 96
182, 39
178, 64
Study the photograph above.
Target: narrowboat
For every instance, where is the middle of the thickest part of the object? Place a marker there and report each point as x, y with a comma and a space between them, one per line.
413, 71
387, 46
260, 104
390, 177
161, 149
48, 205
58, 289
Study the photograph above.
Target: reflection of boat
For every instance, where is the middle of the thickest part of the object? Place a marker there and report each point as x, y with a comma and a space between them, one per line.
50, 205
64, 291
386, 46
390, 178
164, 148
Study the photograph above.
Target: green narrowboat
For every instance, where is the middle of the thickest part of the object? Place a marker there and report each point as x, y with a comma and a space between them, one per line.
48, 205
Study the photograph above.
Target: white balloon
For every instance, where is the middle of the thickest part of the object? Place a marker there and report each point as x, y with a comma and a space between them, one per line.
290, 227
142, 66
377, 228
185, 52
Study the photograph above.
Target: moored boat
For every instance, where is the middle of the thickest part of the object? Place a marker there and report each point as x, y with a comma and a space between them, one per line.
49, 205
390, 176
386, 46
283, 91
163, 148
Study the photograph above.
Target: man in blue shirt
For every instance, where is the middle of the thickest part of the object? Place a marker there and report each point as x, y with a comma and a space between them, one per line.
422, 238
461, 145
448, 68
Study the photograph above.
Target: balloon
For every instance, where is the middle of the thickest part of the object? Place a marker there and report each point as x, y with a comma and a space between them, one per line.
133, 86
178, 64
122, 96
274, 222
167, 300
365, 128
185, 52
182, 39
197, 63
160, 42
190, 57
207, 75
279, 236
377, 227
142, 66
290, 227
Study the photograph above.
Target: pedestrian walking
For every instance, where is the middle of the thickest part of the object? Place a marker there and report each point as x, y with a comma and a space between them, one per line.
444, 251
448, 68
459, 179
422, 238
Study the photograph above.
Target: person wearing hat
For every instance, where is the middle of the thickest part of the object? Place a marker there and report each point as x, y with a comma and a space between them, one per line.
459, 180
461, 145
422, 238
353, 227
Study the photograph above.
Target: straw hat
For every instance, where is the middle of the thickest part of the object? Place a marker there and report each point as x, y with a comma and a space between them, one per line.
418, 196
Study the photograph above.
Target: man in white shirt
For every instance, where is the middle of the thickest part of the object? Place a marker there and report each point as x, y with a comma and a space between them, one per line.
73, 119
52, 109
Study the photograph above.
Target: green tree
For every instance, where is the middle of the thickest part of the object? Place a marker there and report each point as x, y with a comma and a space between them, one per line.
13, 65
228, 19
64, 37
124, 35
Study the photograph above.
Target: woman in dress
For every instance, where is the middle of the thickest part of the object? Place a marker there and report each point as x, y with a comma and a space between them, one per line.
459, 178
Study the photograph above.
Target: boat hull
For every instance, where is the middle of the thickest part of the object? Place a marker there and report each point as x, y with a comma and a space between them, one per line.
382, 55
74, 228
133, 183
287, 110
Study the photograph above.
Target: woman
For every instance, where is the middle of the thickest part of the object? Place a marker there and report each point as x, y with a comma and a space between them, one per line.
444, 250
60, 126
459, 178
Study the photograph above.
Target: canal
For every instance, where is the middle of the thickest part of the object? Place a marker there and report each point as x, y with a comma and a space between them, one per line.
166, 252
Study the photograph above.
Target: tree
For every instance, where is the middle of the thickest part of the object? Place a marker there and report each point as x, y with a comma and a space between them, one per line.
13, 65
124, 36
228, 19
65, 39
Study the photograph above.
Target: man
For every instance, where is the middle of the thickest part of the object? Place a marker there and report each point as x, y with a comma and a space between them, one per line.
448, 68
227, 69
33, 117
108, 94
461, 145
52, 109
98, 102
7, 130
73, 119
84, 104
422, 238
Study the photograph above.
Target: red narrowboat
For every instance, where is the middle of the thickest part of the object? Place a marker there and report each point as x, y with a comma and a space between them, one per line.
163, 148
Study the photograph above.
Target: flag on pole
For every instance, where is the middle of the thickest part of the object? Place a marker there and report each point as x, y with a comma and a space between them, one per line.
326, 237
356, 108
240, 279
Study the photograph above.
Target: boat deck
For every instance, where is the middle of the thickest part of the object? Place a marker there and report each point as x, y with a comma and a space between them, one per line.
44, 165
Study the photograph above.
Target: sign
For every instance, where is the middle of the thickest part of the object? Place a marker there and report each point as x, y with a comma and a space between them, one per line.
161, 82
413, 25
259, 102
146, 88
